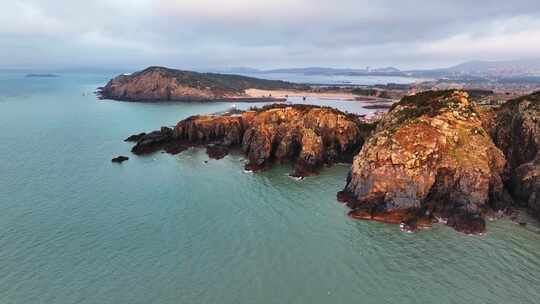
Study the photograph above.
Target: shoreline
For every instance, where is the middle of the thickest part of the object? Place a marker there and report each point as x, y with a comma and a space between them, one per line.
259, 93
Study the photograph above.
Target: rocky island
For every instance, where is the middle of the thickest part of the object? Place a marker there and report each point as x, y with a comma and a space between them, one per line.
436, 156
164, 84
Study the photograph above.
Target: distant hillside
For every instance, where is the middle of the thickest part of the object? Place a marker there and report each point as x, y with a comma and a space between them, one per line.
162, 84
515, 69
498, 68
388, 71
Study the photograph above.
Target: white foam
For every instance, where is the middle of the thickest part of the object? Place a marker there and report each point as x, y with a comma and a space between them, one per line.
296, 178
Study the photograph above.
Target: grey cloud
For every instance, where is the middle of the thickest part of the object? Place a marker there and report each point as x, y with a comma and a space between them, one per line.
204, 33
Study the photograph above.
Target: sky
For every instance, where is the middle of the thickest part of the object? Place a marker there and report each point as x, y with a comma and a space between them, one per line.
265, 34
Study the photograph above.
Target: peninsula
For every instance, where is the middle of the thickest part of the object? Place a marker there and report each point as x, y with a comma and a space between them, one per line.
164, 84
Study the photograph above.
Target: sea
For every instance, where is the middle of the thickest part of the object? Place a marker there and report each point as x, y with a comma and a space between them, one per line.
76, 228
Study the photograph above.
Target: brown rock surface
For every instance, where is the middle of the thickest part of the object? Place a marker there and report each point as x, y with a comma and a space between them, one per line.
308, 136
429, 157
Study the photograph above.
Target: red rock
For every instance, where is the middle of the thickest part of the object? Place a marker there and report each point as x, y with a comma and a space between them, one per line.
430, 152
308, 136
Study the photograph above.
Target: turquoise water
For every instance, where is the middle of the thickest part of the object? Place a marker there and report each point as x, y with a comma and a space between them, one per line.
75, 228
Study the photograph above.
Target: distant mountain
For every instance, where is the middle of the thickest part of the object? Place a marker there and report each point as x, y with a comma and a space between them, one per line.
234, 70
471, 70
391, 71
387, 70
513, 68
310, 71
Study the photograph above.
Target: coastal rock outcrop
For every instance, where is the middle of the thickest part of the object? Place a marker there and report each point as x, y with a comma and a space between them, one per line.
434, 157
308, 136
429, 158
515, 129
163, 84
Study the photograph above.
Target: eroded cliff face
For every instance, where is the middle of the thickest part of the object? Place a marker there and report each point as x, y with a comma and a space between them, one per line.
515, 129
311, 136
308, 136
430, 158
163, 84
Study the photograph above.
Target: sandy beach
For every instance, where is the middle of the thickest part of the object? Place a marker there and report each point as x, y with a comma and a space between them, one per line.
256, 93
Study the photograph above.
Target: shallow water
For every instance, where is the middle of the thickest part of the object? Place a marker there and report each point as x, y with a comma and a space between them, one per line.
75, 228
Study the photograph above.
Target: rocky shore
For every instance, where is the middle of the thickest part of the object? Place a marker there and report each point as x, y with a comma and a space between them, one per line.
434, 157
307, 136
164, 84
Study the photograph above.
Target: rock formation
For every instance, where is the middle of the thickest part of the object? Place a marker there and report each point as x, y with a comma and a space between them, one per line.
429, 158
434, 157
515, 129
308, 136
163, 84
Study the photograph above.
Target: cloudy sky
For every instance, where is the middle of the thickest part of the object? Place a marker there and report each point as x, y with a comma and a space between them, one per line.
265, 33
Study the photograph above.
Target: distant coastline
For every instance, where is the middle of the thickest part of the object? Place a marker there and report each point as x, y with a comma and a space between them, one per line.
41, 75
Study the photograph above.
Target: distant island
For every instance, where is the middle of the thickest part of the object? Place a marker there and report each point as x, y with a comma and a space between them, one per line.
164, 84
41, 75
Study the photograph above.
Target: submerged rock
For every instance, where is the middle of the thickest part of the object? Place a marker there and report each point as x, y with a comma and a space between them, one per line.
217, 151
308, 136
428, 158
515, 129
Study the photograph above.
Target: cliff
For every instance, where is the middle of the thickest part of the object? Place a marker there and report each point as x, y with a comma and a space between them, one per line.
307, 136
163, 84
515, 129
430, 158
